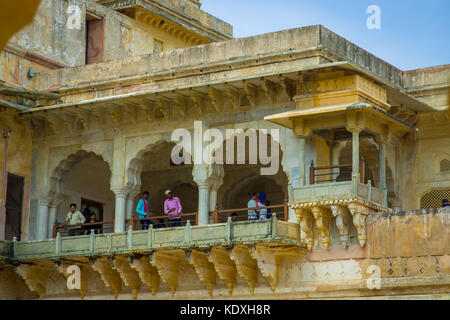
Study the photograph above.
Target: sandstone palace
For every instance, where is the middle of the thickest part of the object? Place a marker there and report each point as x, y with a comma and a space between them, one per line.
91, 92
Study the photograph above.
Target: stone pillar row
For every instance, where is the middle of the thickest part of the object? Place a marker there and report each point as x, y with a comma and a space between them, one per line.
208, 179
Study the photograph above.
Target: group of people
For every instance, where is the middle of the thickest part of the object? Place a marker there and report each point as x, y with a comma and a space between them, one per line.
172, 208
258, 204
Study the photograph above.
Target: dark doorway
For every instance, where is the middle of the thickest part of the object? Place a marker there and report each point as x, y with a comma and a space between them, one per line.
14, 201
95, 34
90, 206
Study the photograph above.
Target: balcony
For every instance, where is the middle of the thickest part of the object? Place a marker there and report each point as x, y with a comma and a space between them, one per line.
337, 184
226, 250
147, 241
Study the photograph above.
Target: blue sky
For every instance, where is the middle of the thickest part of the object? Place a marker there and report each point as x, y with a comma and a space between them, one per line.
414, 34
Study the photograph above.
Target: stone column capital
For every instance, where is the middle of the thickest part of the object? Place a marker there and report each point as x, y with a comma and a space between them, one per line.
120, 192
55, 202
208, 176
44, 201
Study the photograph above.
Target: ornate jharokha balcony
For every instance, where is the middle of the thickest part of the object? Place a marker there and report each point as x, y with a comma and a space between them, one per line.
332, 183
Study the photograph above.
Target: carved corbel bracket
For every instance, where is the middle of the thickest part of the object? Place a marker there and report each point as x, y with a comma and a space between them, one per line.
34, 276
323, 219
234, 97
356, 121
109, 276
289, 87
269, 258
224, 266
197, 102
343, 220
84, 272
147, 273
251, 93
168, 265
128, 274
359, 213
246, 266
117, 114
270, 90
204, 269
306, 219
216, 99
301, 128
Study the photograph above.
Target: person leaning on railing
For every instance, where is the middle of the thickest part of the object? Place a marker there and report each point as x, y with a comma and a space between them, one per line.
172, 207
95, 227
143, 209
74, 217
252, 203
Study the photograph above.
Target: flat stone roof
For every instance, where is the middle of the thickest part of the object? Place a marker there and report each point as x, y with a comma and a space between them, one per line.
333, 46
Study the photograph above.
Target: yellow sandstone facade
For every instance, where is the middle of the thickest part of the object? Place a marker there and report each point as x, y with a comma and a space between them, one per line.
87, 113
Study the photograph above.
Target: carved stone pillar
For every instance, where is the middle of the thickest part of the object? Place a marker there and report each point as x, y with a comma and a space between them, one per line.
207, 177
130, 205
119, 215
203, 202
53, 209
355, 155
42, 219
301, 161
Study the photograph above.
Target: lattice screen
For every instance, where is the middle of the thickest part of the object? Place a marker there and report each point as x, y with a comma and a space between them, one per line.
433, 198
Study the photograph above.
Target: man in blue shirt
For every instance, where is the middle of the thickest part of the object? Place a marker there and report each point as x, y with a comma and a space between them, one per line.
143, 208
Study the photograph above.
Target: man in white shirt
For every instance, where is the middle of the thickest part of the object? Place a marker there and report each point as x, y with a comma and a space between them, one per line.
252, 214
74, 217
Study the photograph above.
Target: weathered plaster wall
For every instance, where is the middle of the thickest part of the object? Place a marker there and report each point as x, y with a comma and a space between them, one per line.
14, 68
19, 158
410, 251
50, 36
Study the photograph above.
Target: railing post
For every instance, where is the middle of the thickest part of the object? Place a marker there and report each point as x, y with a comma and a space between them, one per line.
311, 173
187, 232
91, 241
14, 248
228, 229
55, 230
274, 227
216, 216
132, 223
150, 235
286, 212
130, 238
58, 244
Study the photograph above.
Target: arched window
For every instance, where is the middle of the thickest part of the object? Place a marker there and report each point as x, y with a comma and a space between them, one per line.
433, 198
444, 166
